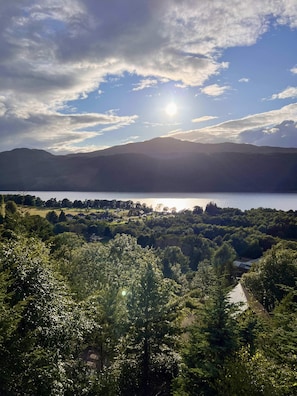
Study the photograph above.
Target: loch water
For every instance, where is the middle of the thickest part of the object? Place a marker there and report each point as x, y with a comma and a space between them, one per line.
180, 201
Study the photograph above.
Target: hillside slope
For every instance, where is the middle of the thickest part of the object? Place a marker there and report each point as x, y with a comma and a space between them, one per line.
165, 165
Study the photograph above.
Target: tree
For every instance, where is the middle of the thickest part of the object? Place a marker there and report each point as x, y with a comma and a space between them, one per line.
37, 226
204, 279
280, 344
11, 207
212, 340
223, 263
273, 276
2, 206
197, 210
175, 265
41, 349
99, 276
147, 360
52, 217
212, 209
62, 216
247, 374
10, 316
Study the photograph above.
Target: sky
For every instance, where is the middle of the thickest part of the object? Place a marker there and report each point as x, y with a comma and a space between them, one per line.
84, 75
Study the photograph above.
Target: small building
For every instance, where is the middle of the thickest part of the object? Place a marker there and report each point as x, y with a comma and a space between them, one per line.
243, 265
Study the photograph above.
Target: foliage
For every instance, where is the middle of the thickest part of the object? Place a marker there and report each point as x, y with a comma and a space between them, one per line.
147, 351
11, 207
223, 263
44, 340
212, 340
272, 277
151, 303
247, 374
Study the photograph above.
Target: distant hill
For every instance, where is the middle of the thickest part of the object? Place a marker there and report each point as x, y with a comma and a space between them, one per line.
157, 165
173, 147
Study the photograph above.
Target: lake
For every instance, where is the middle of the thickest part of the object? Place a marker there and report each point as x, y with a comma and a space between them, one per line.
179, 201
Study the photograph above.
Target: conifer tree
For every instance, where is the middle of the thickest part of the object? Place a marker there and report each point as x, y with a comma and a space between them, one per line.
148, 361
212, 339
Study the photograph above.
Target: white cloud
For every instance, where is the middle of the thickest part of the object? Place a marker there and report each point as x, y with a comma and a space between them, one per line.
148, 124
56, 51
181, 86
204, 118
280, 135
130, 139
231, 130
244, 80
294, 70
53, 129
145, 83
215, 90
289, 92
68, 148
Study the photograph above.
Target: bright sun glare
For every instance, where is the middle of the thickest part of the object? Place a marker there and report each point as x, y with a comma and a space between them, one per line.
171, 109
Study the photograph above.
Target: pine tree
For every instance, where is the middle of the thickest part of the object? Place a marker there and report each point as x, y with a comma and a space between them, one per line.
212, 339
148, 361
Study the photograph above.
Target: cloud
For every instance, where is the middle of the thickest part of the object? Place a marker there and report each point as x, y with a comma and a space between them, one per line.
204, 118
68, 149
294, 70
244, 80
145, 83
215, 90
53, 129
130, 139
281, 135
56, 51
148, 124
181, 86
232, 130
289, 92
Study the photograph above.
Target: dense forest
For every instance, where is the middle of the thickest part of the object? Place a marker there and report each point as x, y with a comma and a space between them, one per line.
113, 298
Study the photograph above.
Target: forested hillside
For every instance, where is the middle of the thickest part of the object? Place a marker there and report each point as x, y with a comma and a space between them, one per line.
159, 165
112, 298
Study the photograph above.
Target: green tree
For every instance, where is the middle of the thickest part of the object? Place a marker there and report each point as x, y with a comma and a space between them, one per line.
148, 361
10, 316
247, 374
42, 350
280, 344
37, 226
11, 207
2, 206
175, 266
204, 279
223, 263
273, 276
212, 340
52, 217
197, 210
62, 216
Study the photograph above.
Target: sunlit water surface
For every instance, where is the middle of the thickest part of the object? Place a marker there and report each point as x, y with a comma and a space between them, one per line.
180, 201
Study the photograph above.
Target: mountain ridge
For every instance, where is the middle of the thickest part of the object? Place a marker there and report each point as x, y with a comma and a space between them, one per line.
159, 145
158, 165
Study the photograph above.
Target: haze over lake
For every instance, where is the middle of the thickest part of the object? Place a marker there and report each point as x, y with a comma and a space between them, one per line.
179, 201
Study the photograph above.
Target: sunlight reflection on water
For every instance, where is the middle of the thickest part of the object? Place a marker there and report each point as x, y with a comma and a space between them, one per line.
180, 201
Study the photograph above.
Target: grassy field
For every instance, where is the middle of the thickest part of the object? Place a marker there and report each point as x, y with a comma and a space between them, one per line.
116, 215
43, 211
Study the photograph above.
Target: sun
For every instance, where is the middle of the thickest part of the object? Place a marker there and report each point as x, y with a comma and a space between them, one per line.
171, 109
